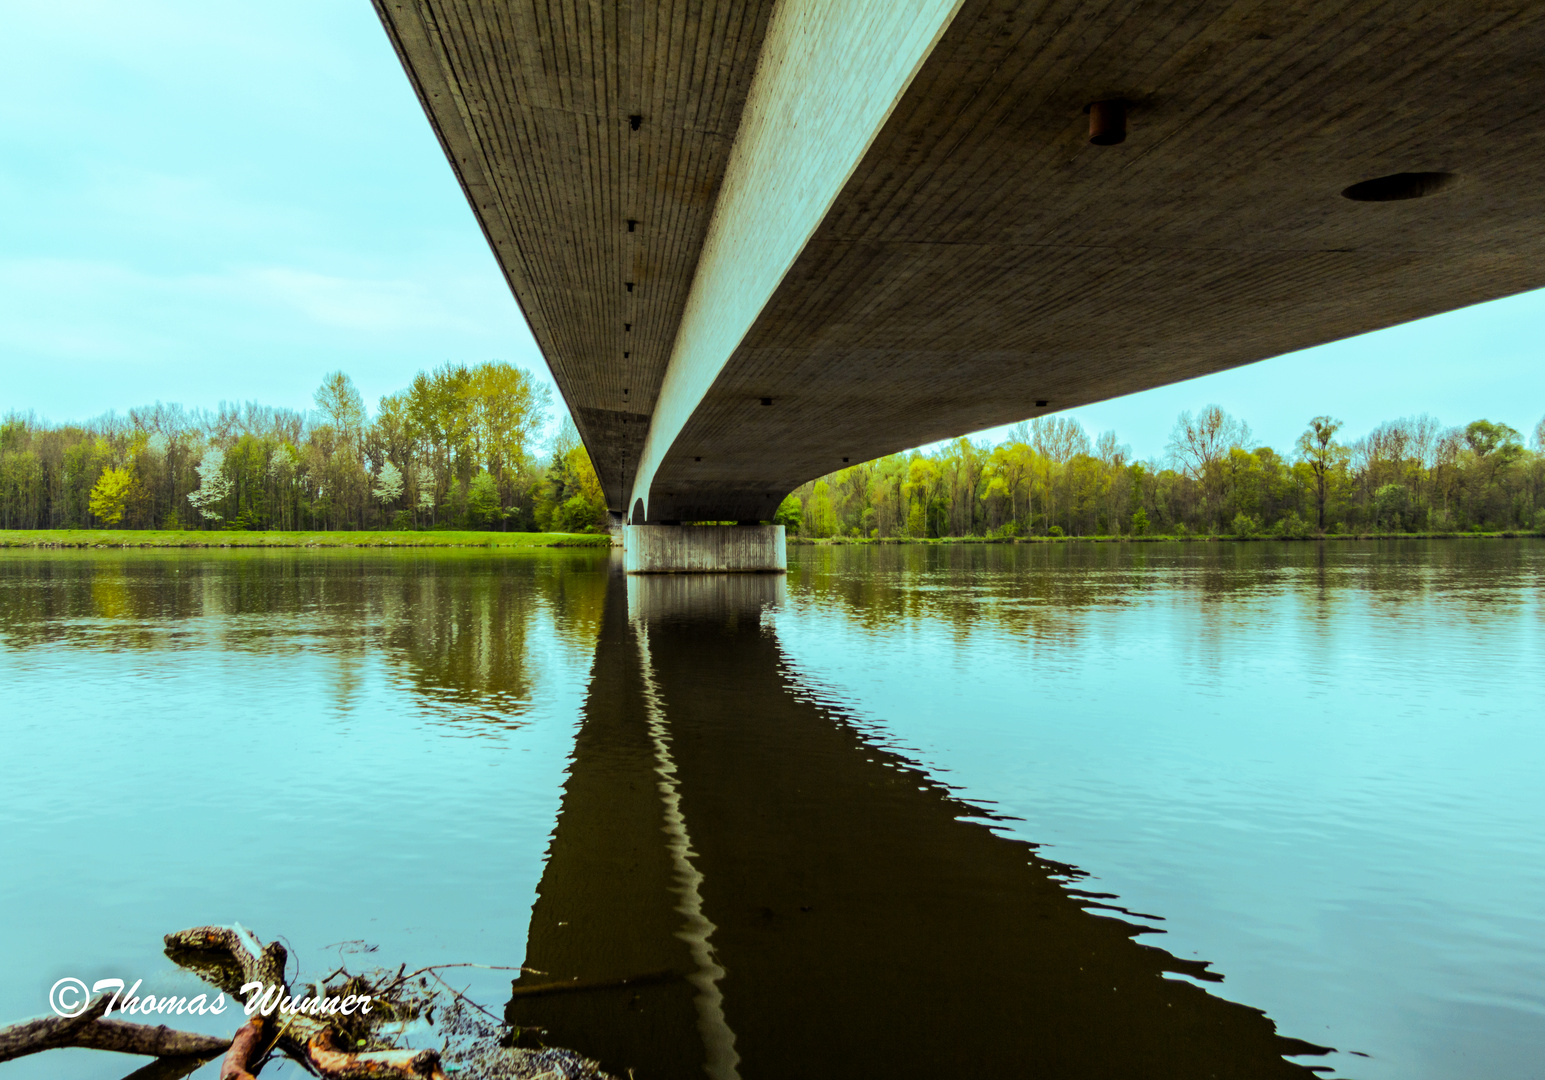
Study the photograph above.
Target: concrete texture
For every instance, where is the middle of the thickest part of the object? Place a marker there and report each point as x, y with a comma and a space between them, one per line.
982, 257
533, 105
698, 549
830, 73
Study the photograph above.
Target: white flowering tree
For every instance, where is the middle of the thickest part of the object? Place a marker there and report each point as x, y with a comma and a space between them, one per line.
213, 485
388, 487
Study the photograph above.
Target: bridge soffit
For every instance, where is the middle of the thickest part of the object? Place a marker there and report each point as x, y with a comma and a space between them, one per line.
828, 77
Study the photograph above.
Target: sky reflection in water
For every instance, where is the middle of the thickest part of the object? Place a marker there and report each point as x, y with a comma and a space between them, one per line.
1318, 765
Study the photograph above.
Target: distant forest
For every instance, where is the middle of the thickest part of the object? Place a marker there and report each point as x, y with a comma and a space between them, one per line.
459, 449
1048, 479
456, 449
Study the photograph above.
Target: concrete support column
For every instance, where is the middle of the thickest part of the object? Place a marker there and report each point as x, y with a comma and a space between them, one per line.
704, 549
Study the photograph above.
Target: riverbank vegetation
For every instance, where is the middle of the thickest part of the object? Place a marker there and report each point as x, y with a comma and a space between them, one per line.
1048, 480
367, 538
458, 449
1157, 538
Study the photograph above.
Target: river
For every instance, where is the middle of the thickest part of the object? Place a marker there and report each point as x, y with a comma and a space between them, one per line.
1075, 810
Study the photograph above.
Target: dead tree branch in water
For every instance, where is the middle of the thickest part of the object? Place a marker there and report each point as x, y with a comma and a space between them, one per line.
91, 1031
310, 1026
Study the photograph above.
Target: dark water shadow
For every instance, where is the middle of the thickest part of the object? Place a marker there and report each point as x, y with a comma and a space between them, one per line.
830, 910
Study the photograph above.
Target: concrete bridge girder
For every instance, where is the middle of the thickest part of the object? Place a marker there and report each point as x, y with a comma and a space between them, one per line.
757, 240
829, 74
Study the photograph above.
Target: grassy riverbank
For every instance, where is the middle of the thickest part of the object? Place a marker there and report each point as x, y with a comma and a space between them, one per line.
191, 538
388, 538
838, 541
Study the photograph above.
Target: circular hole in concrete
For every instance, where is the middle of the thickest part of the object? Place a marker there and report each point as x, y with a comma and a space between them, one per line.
1400, 185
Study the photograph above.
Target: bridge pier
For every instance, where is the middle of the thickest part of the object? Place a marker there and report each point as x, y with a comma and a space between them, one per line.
704, 549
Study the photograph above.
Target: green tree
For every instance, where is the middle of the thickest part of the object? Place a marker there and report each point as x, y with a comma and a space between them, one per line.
340, 402
439, 413
483, 499
1319, 450
584, 509
1494, 449
569, 498
110, 493
1485, 438
1391, 505
424, 485
507, 408
1057, 440
1202, 448
923, 496
823, 519
1007, 472
790, 513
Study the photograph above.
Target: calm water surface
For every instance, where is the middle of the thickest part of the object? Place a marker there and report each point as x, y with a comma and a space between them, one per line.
1073, 811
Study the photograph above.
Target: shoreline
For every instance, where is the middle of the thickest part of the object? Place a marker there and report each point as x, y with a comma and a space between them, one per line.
858, 541
115, 539
365, 538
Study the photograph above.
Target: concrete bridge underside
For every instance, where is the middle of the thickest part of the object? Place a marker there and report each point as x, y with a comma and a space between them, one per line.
757, 240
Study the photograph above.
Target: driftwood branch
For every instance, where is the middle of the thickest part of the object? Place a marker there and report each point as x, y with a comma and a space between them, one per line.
159, 1041
230, 957
330, 1045
246, 1046
45, 1033
337, 1064
91, 1031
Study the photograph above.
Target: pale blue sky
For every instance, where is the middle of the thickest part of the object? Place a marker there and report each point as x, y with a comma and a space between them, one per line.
206, 201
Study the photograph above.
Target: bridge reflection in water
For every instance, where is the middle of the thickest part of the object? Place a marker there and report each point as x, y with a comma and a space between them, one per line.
828, 909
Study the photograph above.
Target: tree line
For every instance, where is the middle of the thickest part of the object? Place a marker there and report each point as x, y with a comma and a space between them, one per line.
1048, 479
456, 449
